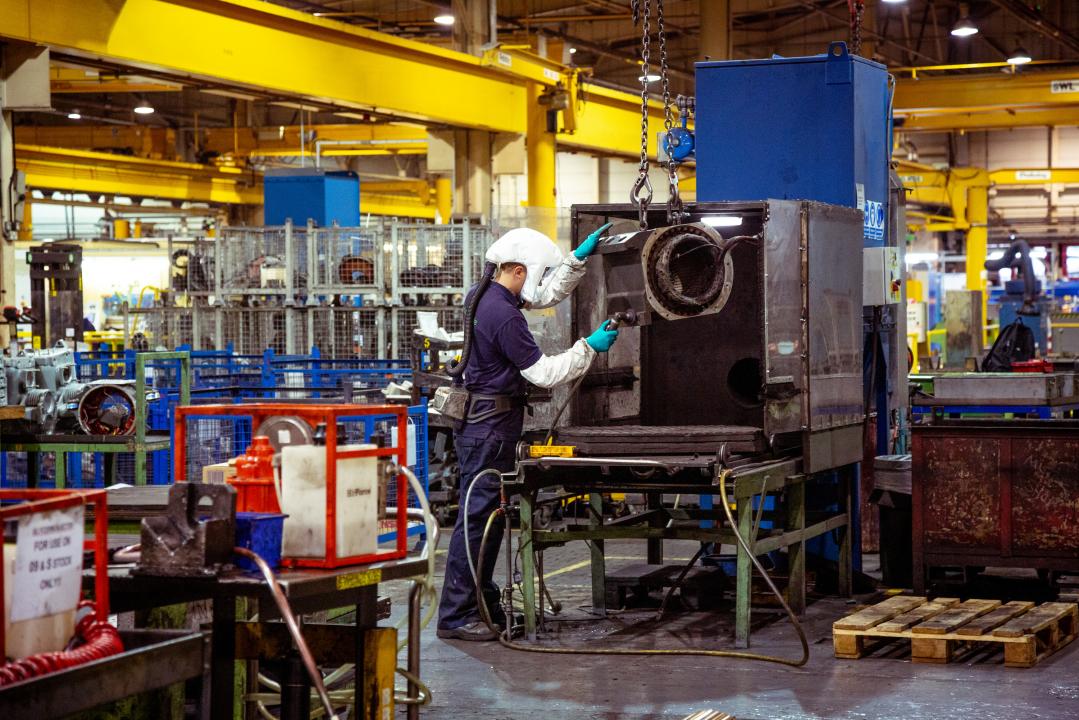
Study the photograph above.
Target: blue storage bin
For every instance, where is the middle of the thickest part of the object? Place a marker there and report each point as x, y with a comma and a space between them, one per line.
261, 534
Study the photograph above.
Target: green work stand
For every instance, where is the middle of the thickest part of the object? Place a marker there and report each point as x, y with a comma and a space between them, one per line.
747, 489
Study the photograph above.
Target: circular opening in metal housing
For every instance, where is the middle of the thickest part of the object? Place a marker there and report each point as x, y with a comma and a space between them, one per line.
687, 273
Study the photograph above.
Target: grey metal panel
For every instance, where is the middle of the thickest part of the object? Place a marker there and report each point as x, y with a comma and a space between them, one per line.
835, 317
784, 332
992, 388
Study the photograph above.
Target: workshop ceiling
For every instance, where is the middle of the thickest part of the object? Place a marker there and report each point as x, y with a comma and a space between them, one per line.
910, 33
606, 45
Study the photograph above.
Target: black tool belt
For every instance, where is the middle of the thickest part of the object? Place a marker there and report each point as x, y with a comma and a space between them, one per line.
500, 404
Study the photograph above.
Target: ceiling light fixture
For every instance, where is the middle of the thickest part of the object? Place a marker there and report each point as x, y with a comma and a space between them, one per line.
649, 78
444, 19
964, 27
894, 2
572, 50
74, 115
144, 108
1019, 56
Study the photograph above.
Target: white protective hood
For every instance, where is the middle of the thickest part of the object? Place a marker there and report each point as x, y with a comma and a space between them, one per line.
531, 248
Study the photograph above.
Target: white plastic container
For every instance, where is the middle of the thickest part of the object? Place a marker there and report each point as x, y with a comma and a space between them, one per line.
50, 633
303, 499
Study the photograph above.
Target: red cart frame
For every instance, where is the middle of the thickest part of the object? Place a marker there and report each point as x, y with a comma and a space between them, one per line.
313, 415
40, 501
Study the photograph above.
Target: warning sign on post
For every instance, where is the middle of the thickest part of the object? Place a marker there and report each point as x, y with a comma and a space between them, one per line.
48, 563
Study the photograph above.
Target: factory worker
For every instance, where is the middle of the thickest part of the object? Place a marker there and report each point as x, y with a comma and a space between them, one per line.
525, 270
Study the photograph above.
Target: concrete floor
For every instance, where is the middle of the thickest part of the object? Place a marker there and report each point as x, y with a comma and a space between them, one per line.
486, 680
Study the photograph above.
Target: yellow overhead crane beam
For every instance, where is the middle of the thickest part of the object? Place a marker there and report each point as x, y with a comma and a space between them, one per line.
1033, 97
96, 173
239, 143
275, 51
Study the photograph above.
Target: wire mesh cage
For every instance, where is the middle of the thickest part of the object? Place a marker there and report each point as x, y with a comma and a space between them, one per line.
346, 261
430, 259
346, 332
252, 330
261, 261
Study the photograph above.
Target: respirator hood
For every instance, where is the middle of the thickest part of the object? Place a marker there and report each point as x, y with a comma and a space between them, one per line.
530, 248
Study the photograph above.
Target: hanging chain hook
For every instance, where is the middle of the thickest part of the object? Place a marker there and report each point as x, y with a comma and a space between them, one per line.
641, 194
674, 199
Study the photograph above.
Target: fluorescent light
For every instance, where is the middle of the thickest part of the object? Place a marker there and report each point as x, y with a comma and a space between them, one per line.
721, 220
894, 2
649, 78
74, 115
1019, 56
144, 108
444, 19
572, 50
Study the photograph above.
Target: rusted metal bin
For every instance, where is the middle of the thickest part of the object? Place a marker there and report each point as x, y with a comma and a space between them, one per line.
995, 493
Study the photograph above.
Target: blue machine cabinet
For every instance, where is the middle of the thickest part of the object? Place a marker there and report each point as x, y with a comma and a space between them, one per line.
311, 194
806, 128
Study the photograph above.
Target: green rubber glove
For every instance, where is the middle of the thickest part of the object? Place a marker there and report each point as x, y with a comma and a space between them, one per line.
602, 339
589, 245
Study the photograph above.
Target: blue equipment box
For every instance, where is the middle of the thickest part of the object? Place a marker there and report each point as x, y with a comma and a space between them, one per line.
319, 195
805, 128
261, 534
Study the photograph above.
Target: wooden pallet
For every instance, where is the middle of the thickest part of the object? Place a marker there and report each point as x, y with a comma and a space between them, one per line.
938, 629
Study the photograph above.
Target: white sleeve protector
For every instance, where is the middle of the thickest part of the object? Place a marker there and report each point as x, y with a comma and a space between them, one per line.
551, 370
563, 280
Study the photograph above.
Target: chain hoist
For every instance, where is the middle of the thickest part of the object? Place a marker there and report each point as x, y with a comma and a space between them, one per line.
857, 13
674, 200
641, 194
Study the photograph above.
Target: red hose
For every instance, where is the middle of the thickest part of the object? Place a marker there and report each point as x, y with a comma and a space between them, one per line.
96, 639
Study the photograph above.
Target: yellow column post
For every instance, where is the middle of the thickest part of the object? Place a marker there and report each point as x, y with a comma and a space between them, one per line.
444, 197
978, 241
26, 229
541, 164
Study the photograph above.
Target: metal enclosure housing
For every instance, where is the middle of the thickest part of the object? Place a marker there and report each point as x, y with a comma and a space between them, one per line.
310, 194
812, 128
784, 354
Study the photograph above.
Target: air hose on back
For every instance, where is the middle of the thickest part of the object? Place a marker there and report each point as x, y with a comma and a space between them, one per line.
457, 369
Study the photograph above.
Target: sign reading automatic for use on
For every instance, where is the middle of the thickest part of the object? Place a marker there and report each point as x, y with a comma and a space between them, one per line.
48, 563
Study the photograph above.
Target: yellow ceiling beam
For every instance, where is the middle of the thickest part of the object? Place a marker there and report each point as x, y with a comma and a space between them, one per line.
268, 49
990, 120
66, 170
80, 80
981, 93
107, 174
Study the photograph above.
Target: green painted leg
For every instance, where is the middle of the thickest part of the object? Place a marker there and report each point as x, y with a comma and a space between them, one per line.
528, 569
599, 563
61, 469
744, 581
796, 559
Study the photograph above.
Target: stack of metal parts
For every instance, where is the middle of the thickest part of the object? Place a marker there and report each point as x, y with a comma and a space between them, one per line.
45, 383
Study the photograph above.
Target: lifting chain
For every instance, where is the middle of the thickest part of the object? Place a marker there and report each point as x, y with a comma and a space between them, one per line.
674, 200
857, 12
641, 194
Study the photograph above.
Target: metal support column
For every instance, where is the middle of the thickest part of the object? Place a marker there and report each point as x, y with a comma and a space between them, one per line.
796, 553
540, 145
744, 582
599, 561
528, 568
